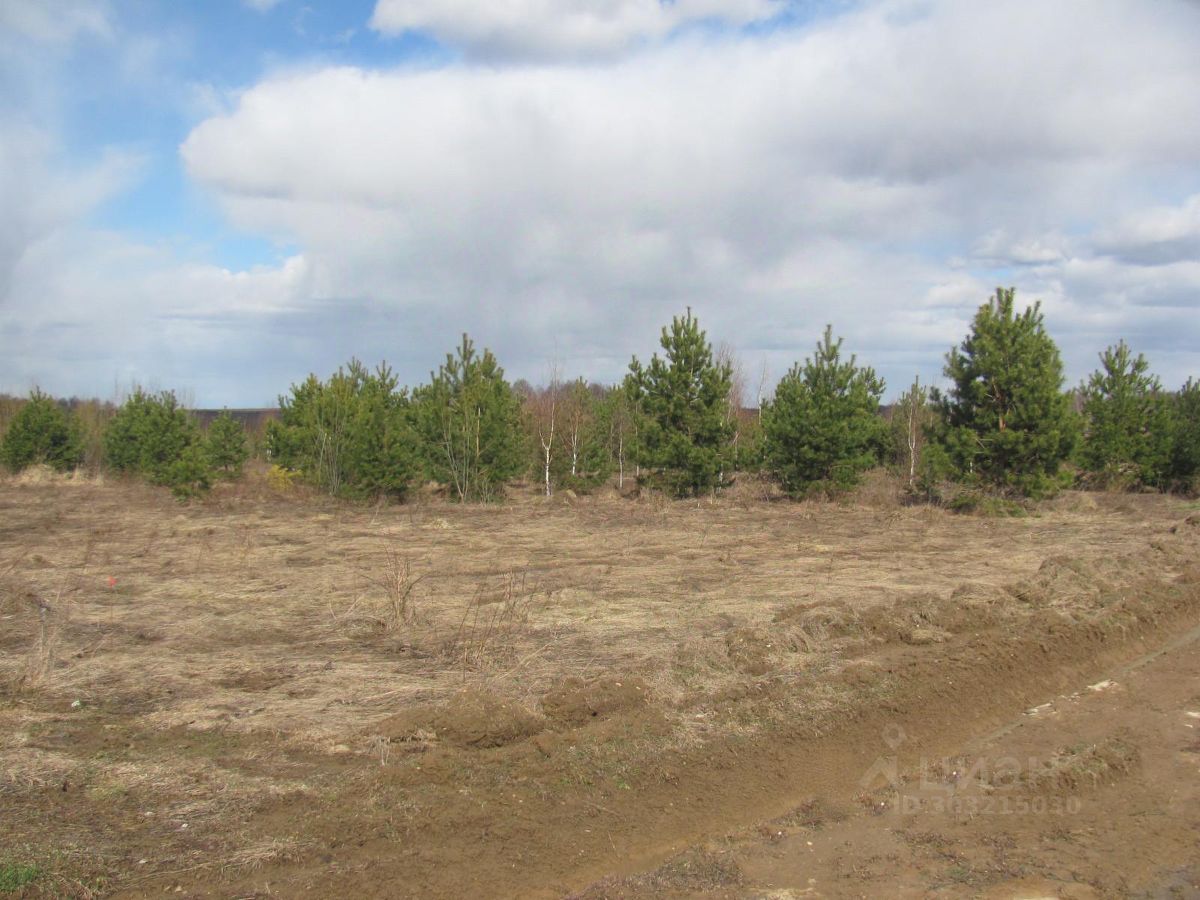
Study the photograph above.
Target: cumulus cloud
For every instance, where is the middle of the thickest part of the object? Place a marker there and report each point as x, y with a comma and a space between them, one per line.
1000, 248
1163, 234
42, 197
549, 29
126, 313
882, 169
879, 170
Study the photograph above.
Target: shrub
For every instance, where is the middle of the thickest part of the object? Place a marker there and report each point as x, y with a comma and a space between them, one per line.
41, 433
14, 876
350, 436
1184, 468
685, 432
1006, 421
823, 429
92, 417
1127, 422
9, 407
468, 419
153, 436
225, 445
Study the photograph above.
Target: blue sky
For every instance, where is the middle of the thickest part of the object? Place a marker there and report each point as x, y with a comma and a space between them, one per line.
221, 197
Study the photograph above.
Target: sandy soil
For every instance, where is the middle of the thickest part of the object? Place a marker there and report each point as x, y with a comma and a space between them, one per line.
272, 695
1090, 794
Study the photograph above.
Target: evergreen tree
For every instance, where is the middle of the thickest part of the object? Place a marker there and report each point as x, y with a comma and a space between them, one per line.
351, 436
468, 419
153, 436
225, 445
685, 430
1185, 427
1127, 422
823, 429
1006, 421
41, 433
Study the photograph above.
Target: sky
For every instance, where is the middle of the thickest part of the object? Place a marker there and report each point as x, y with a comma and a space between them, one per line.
222, 197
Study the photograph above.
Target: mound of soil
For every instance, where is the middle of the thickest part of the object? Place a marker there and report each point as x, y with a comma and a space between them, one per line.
920, 620
253, 679
820, 619
749, 650
576, 702
473, 718
1188, 524
1077, 768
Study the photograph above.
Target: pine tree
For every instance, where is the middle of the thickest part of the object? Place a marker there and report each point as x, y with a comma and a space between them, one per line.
1185, 428
1127, 422
468, 419
225, 445
40, 432
1006, 421
685, 430
351, 436
153, 436
823, 429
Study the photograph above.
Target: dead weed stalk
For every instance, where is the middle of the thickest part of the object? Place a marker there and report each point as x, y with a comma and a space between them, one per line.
397, 583
487, 633
43, 654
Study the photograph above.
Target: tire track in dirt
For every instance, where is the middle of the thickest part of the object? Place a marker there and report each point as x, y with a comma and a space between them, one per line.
1091, 794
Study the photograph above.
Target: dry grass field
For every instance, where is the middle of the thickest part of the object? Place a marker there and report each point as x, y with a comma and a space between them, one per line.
271, 694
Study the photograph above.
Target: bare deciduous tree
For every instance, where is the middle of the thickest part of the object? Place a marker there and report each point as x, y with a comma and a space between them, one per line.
544, 407
909, 421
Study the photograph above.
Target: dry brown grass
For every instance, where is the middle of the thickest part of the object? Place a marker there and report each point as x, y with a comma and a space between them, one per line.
303, 623
256, 612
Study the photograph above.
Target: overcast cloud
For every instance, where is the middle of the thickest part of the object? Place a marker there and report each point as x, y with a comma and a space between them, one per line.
585, 171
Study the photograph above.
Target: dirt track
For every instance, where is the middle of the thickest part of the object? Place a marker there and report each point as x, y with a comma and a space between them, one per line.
583, 692
1091, 794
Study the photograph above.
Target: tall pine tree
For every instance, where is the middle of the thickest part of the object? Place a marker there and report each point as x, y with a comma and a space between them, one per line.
1005, 421
1127, 422
823, 429
684, 441
225, 444
469, 421
1185, 428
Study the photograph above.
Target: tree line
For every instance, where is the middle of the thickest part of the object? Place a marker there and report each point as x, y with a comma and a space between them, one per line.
1006, 424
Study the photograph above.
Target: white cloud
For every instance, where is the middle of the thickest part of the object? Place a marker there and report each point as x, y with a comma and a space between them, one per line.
883, 170
1162, 234
125, 313
54, 21
999, 248
549, 29
262, 6
774, 183
41, 197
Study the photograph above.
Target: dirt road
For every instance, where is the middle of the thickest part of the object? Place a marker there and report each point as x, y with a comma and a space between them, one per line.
1095, 793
